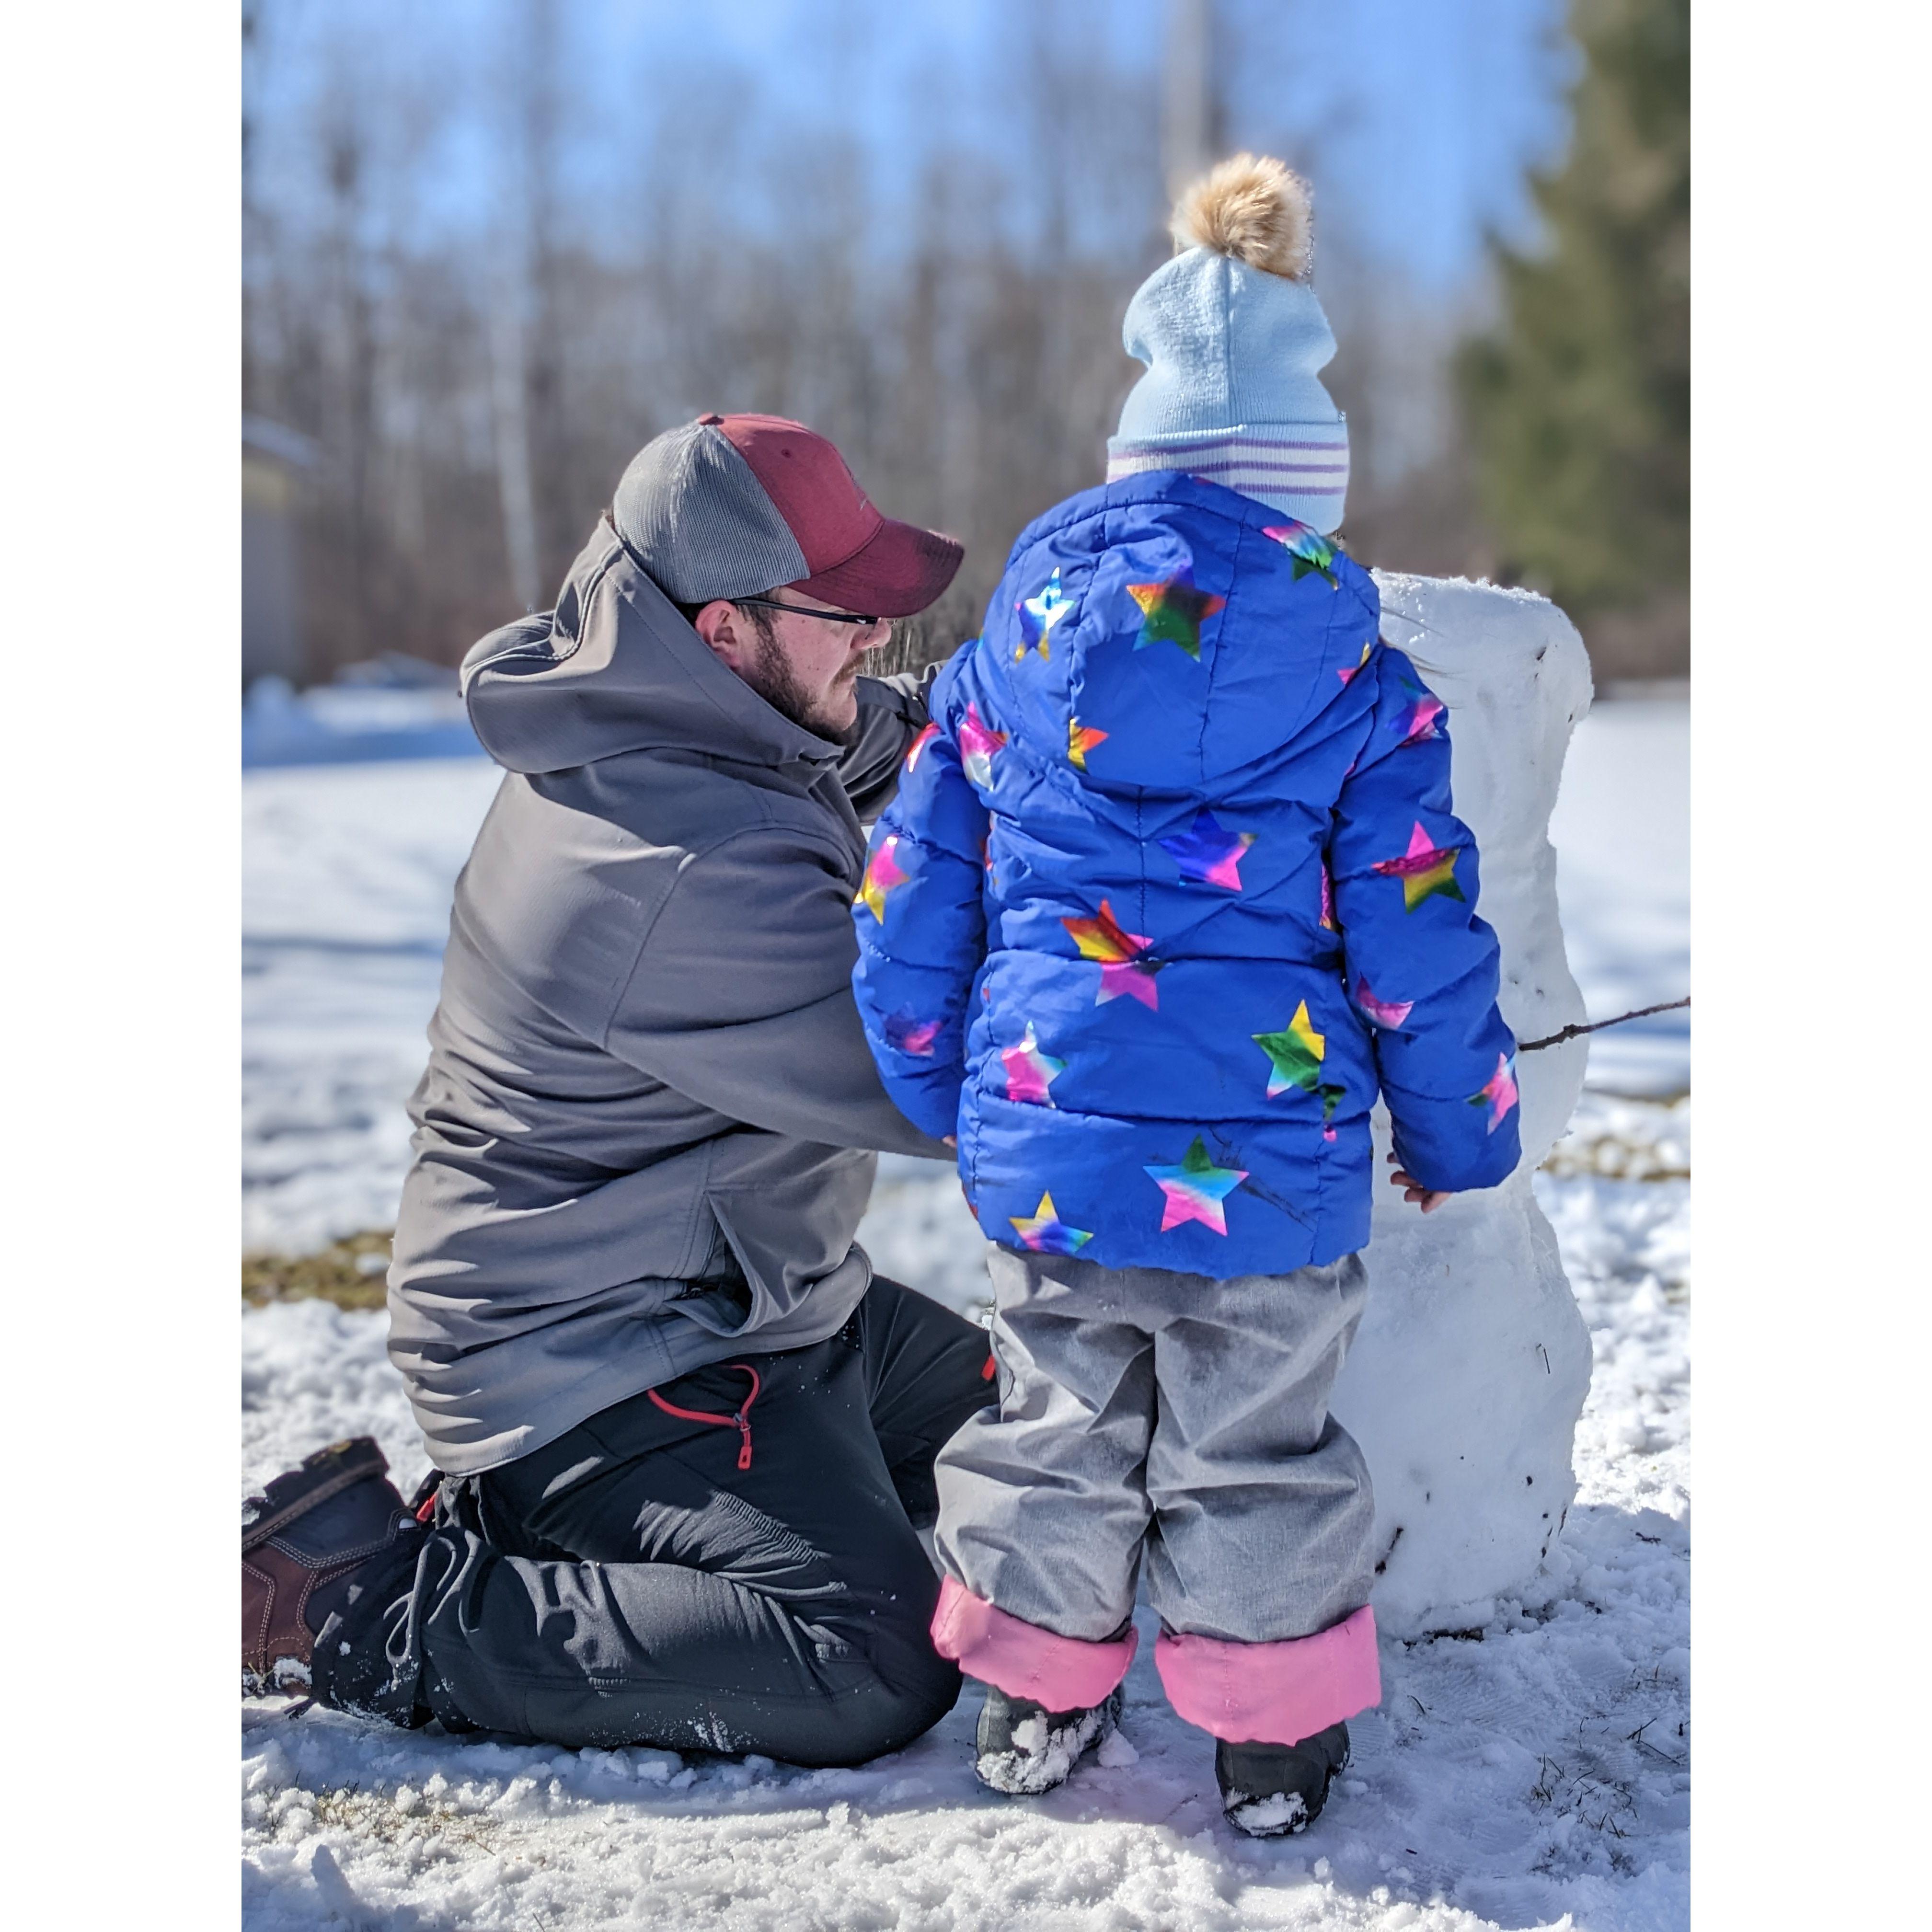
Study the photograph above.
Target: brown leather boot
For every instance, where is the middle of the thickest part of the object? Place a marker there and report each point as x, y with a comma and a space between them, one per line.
300, 1547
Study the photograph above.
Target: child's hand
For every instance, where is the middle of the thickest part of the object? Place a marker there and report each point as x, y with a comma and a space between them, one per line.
951, 1140
1412, 1189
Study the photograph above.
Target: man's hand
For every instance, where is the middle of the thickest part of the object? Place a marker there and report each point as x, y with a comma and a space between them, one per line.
1429, 1198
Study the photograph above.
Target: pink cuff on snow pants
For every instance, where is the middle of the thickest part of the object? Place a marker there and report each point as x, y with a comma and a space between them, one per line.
1273, 1694
1063, 1673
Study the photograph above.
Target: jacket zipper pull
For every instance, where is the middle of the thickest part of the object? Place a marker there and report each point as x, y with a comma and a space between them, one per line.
745, 1430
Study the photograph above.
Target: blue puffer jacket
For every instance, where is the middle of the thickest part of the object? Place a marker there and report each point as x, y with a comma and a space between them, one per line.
1170, 887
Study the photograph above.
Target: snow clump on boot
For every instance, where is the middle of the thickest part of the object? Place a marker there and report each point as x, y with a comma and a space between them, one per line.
1024, 1750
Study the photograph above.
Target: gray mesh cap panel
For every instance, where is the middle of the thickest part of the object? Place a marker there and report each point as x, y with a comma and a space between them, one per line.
690, 507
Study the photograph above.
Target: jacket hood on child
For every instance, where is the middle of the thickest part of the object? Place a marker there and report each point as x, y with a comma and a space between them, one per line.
1172, 887
1233, 335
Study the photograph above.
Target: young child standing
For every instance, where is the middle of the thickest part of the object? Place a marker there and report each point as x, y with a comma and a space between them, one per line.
1171, 889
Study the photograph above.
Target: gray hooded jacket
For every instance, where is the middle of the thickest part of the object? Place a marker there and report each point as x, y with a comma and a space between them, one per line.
639, 1143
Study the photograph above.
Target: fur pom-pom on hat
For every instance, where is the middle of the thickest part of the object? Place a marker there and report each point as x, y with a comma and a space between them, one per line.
1255, 208
1234, 338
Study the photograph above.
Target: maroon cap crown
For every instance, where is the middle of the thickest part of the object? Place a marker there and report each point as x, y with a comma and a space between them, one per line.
854, 556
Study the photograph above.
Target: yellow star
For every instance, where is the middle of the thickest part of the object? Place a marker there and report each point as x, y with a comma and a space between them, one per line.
1172, 613
1425, 869
1045, 1233
1081, 739
1295, 1054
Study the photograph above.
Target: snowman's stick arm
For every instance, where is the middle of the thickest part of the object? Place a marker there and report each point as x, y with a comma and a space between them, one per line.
1598, 1026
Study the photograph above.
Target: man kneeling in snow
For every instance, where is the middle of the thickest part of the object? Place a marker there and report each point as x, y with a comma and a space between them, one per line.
683, 1433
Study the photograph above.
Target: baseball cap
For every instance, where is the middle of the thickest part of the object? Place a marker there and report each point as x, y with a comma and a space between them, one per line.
728, 506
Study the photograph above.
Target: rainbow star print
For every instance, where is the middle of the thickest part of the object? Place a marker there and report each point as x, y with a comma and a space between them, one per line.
1295, 1055
1045, 1233
1081, 739
1038, 615
1029, 1072
1498, 1094
1207, 854
1425, 869
977, 746
907, 1033
1196, 1190
1384, 1013
1417, 726
1314, 555
1124, 965
883, 873
1172, 613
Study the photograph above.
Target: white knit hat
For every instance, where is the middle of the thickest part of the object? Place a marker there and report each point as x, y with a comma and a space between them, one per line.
1232, 335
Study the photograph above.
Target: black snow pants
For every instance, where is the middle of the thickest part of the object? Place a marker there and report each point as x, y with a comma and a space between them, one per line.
727, 1562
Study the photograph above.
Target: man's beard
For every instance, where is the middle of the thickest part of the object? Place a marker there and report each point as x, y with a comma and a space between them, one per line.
773, 678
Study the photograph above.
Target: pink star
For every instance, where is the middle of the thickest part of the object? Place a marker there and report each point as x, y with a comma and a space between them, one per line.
1195, 1190
1121, 956
977, 744
1425, 869
1421, 725
1500, 1092
910, 1034
1029, 1072
1384, 1013
1135, 979
883, 873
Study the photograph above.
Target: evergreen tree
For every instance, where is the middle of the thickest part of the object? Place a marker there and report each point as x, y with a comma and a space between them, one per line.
1580, 402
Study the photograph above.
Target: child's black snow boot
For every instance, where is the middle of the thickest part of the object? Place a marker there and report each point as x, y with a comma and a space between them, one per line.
1025, 1749
1269, 1790
307, 1545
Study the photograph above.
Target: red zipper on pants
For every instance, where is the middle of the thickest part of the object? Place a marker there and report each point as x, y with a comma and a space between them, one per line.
740, 1418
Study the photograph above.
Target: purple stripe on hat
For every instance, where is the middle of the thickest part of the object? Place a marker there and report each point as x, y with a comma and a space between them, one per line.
1272, 468
1340, 441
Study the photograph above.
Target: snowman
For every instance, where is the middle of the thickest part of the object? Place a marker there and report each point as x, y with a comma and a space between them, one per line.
1470, 1367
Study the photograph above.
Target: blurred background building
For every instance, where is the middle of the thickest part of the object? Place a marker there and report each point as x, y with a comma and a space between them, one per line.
275, 463
493, 246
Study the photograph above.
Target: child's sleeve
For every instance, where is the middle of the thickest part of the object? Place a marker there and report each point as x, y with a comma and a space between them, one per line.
921, 930
1422, 968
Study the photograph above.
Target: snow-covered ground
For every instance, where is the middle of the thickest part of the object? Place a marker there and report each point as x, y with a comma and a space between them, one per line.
1622, 834
346, 875
1531, 1769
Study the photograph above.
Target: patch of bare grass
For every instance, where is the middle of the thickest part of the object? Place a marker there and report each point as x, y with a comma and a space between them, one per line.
352, 1273
401, 1817
1626, 1140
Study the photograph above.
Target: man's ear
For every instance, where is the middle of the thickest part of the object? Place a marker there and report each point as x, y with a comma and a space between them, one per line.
723, 629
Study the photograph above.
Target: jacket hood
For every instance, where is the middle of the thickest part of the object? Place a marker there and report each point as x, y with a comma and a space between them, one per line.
615, 668
1162, 632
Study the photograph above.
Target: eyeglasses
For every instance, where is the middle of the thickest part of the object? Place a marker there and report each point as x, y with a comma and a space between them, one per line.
802, 610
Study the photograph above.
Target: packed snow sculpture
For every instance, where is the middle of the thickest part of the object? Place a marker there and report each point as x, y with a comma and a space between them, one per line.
1472, 1362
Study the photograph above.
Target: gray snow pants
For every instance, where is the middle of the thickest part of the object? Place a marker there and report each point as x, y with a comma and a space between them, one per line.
1144, 1412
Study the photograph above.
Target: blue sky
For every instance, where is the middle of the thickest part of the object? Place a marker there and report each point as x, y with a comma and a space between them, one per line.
1419, 116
